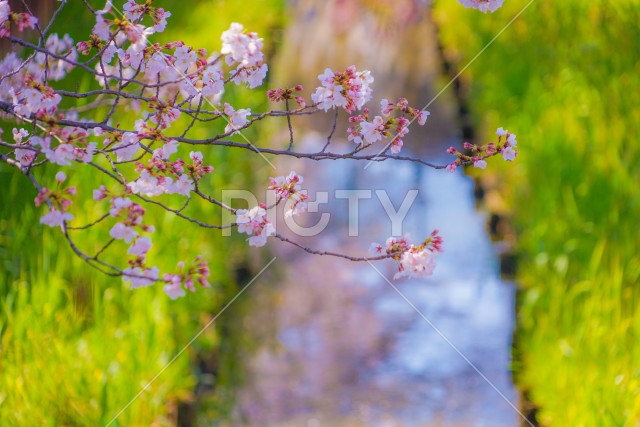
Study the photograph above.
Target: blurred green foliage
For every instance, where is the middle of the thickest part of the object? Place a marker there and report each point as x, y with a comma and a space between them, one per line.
77, 346
565, 76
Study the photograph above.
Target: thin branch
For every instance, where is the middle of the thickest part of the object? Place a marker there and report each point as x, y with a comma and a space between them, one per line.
333, 254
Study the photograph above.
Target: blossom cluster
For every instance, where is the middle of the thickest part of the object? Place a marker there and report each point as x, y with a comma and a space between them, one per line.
25, 88
505, 145
186, 277
255, 223
161, 176
9, 18
244, 50
350, 89
413, 260
236, 119
483, 5
59, 202
288, 188
24, 85
130, 229
181, 68
282, 95
365, 133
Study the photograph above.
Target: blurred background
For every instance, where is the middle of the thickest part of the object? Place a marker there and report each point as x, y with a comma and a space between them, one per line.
537, 288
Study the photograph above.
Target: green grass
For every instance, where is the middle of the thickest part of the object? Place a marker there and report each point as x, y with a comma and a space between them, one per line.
76, 346
565, 77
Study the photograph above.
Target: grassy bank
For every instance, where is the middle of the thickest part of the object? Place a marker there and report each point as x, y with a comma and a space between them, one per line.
565, 76
77, 346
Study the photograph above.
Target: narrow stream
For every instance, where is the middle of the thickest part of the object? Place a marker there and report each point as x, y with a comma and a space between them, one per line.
350, 350
341, 346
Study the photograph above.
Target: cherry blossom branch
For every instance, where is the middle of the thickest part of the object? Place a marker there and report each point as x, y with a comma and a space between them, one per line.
157, 84
329, 253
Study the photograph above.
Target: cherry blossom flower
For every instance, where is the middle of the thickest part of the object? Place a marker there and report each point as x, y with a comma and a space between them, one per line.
156, 64
165, 115
7, 18
61, 155
366, 133
127, 147
387, 107
25, 156
35, 98
137, 33
121, 231
509, 154
100, 193
174, 289
160, 19
289, 188
85, 155
184, 57
254, 76
329, 96
260, 239
18, 135
246, 219
241, 47
55, 218
57, 69
140, 247
416, 263
132, 57
196, 156
148, 185
396, 145
483, 5
132, 10
166, 150
109, 52
237, 118
5, 11
212, 81
350, 89
118, 204
183, 185
254, 223
102, 28
422, 116
413, 261
372, 132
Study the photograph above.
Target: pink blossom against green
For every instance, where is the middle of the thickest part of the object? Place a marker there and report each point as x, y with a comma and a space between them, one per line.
483, 5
